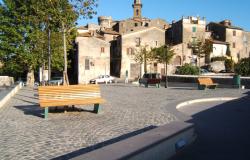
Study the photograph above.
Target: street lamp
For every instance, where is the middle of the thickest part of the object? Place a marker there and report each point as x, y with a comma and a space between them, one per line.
49, 51
166, 66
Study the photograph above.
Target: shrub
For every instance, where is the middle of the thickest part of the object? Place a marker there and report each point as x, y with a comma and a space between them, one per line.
229, 65
243, 67
213, 59
188, 69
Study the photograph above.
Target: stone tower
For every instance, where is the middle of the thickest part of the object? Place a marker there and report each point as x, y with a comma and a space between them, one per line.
137, 9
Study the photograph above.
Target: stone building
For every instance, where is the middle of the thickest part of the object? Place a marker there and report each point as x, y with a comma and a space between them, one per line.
219, 49
182, 33
109, 47
120, 40
136, 32
132, 42
93, 55
236, 37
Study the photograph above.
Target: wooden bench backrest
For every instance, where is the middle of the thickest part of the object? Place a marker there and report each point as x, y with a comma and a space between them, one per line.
69, 95
205, 80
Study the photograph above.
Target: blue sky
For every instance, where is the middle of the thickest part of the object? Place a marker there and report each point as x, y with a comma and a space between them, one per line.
214, 10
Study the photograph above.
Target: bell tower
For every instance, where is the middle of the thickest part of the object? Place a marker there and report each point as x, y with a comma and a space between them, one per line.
137, 9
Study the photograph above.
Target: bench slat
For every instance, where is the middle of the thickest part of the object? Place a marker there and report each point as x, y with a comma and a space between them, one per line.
80, 95
50, 96
65, 102
206, 82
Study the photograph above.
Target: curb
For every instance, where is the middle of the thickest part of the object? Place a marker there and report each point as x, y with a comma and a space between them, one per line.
10, 94
205, 100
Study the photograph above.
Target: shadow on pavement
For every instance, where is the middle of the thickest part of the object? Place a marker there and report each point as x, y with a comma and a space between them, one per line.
37, 111
102, 144
222, 132
34, 110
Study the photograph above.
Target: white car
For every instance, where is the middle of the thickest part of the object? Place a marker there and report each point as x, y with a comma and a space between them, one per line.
102, 79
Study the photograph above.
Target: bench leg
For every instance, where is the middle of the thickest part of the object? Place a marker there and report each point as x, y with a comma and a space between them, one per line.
201, 87
46, 112
97, 108
157, 85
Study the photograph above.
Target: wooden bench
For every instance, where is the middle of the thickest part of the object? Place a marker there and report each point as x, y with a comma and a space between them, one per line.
53, 96
206, 82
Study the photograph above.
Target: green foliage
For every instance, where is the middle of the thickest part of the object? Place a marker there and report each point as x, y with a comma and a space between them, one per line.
213, 59
188, 69
143, 55
163, 54
201, 48
229, 65
24, 26
243, 67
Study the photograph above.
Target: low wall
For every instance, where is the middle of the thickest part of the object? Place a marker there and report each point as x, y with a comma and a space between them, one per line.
160, 143
223, 81
6, 81
10, 94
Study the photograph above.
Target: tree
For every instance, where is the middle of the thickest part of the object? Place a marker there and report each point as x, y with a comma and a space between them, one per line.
18, 34
201, 49
243, 67
142, 56
163, 55
24, 29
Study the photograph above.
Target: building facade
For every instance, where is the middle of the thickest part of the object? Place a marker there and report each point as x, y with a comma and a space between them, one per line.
183, 33
110, 46
93, 57
236, 37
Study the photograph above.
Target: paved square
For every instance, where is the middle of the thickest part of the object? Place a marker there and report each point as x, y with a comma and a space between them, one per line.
26, 135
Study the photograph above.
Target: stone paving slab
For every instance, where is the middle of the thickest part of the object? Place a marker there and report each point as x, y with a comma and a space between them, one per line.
129, 110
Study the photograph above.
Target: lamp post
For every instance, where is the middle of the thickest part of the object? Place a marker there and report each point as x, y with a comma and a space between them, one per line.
166, 67
49, 54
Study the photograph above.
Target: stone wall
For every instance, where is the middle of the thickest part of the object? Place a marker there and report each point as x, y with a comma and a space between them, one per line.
6, 81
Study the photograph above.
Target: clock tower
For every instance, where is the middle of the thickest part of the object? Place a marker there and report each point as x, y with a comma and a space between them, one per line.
137, 9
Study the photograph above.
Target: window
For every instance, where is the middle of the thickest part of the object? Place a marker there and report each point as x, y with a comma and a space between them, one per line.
156, 43
130, 51
136, 24
137, 12
194, 29
234, 45
102, 49
138, 41
234, 33
146, 25
87, 64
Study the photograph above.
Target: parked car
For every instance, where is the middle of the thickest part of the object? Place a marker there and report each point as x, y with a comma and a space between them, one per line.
150, 78
23, 81
206, 72
102, 79
56, 81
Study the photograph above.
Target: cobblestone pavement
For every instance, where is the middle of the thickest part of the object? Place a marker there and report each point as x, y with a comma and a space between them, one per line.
24, 134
